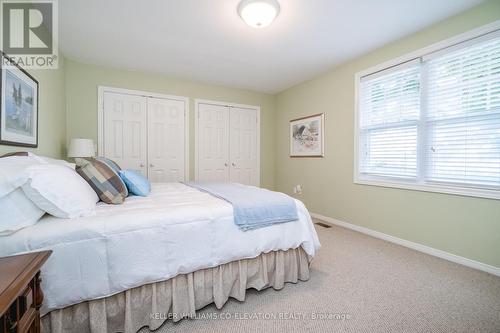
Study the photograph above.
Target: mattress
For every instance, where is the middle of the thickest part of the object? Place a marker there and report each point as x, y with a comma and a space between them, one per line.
175, 230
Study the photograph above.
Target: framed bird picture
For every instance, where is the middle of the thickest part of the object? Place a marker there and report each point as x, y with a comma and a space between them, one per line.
307, 136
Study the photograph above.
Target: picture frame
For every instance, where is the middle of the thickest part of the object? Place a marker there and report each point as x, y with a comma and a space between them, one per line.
19, 94
307, 136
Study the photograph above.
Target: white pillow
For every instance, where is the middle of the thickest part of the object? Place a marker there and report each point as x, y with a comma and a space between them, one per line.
59, 191
17, 212
10, 170
49, 160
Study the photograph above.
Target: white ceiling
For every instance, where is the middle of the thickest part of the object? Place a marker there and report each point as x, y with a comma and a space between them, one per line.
206, 41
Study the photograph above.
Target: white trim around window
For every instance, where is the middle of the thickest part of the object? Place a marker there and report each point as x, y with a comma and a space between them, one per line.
418, 182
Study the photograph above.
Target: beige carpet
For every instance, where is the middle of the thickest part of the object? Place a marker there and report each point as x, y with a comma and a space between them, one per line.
362, 284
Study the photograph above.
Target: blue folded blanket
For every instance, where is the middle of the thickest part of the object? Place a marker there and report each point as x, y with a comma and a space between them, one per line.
253, 207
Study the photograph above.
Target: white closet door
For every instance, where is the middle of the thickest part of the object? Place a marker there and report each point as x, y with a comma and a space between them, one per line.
243, 146
166, 140
125, 138
213, 143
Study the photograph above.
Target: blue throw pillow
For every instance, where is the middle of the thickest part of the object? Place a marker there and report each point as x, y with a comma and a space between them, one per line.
136, 183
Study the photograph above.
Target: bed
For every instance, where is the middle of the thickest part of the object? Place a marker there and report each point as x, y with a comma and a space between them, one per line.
156, 258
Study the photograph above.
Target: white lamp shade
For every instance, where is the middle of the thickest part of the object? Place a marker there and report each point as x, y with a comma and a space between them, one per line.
81, 148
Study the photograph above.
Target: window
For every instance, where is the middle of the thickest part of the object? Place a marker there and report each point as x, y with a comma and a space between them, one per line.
433, 122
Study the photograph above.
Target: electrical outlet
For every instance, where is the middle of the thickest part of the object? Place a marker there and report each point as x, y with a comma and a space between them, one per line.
297, 189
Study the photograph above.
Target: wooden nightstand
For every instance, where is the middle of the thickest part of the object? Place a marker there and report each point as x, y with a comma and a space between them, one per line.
20, 292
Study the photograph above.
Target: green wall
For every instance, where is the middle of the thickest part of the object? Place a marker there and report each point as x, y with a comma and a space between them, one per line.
466, 226
51, 113
81, 98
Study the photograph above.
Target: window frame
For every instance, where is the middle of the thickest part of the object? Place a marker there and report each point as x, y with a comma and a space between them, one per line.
418, 184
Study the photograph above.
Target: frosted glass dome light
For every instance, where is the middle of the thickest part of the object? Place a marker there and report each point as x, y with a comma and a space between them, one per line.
258, 13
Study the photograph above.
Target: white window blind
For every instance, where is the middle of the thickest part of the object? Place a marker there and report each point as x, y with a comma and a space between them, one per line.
390, 107
464, 115
435, 121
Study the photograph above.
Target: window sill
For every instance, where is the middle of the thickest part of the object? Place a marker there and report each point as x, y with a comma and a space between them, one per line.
443, 189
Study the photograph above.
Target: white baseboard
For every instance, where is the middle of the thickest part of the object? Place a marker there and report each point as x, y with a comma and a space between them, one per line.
415, 246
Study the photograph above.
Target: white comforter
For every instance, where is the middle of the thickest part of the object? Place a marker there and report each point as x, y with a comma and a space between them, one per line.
177, 229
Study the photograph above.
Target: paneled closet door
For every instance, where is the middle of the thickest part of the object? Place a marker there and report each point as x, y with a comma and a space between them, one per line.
125, 123
244, 159
213, 143
166, 140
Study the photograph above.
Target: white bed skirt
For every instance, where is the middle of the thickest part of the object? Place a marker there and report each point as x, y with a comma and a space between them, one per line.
152, 304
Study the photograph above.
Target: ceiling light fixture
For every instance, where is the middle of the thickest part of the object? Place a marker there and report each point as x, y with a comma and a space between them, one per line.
258, 13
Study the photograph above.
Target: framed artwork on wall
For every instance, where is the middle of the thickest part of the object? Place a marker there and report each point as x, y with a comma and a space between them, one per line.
307, 136
19, 105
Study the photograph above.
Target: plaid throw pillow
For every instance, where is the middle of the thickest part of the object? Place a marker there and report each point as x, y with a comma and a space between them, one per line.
110, 163
103, 179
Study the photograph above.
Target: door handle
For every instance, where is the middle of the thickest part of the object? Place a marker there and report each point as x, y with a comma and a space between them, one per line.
225, 164
151, 166
141, 165
233, 164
